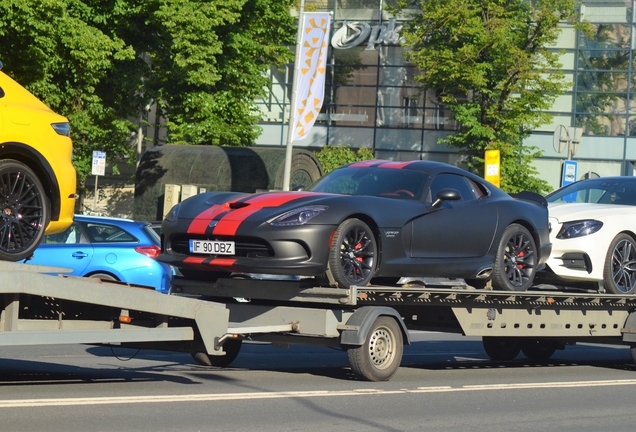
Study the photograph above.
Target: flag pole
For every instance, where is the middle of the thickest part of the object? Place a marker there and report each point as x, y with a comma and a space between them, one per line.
292, 110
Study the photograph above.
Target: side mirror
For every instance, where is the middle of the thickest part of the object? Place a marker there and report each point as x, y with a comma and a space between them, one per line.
446, 195
299, 188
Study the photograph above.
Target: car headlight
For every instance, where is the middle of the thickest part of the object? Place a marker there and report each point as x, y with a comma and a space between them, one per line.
579, 229
299, 216
173, 214
62, 128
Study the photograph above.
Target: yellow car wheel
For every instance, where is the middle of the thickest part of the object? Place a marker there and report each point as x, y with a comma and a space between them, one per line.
24, 211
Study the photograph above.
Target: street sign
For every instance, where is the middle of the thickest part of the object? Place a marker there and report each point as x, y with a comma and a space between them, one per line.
99, 163
492, 167
570, 169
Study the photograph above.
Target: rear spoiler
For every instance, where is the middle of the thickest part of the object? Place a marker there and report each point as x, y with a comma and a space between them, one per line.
531, 196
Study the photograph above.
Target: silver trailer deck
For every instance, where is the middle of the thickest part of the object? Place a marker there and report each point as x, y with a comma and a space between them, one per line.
40, 305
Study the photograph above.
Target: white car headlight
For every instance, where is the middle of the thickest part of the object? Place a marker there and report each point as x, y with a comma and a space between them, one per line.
299, 216
579, 229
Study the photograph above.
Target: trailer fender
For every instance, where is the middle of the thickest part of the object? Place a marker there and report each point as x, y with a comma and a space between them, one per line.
629, 329
355, 331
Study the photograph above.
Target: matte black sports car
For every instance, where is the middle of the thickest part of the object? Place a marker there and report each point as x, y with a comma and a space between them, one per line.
372, 219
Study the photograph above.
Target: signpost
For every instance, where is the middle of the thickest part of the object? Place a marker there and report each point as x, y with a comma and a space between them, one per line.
99, 168
567, 138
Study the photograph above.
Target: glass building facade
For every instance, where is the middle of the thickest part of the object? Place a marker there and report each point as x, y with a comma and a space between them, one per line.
373, 101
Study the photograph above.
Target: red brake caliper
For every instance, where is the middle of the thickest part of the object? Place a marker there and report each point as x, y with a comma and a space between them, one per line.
520, 254
358, 258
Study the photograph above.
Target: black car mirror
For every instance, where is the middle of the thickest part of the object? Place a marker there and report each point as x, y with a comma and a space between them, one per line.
446, 195
299, 188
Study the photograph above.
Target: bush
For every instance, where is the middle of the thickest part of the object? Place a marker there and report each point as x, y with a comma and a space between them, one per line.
334, 157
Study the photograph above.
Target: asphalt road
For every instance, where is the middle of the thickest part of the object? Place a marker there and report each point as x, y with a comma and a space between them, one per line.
446, 382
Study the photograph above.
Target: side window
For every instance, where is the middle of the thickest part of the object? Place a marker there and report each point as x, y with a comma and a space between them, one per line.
453, 181
100, 233
71, 235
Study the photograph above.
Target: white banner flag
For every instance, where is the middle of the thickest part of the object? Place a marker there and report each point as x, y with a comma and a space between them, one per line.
310, 72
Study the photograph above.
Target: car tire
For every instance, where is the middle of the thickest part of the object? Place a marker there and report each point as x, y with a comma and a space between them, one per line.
25, 211
103, 276
516, 260
353, 254
381, 354
501, 348
232, 347
619, 271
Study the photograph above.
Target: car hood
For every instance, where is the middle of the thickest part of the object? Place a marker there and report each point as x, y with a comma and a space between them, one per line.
236, 206
578, 211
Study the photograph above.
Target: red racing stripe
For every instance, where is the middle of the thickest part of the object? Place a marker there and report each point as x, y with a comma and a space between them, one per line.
395, 165
194, 260
365, 164
200, 223
229, 223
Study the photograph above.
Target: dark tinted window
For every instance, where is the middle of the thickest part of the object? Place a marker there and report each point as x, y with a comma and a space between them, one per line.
453, 181
384, 182
101, 233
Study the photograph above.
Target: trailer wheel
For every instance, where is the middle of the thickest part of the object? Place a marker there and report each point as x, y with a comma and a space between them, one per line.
501, 348
231, 348
381, 354
538, 349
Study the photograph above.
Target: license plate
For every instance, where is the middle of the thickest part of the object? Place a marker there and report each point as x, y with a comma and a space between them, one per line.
212, 247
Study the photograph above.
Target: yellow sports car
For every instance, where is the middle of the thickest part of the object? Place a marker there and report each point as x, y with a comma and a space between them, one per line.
37, 178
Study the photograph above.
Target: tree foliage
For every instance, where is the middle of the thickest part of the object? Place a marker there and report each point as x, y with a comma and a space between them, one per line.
331, 157
98, 62
490, 62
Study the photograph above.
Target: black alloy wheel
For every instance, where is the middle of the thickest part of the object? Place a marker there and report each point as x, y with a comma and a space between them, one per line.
24, 213
619, 272
353, 254
516, 260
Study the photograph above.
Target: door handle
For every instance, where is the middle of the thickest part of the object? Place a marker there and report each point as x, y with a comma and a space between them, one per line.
79, 255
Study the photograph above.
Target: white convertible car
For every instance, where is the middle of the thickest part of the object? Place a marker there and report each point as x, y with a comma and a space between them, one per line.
593, 234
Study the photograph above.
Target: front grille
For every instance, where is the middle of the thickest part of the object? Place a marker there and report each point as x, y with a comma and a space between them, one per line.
577, 261
248, 247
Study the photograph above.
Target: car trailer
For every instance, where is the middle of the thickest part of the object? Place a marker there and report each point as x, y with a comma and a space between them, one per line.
40, 306
371, 323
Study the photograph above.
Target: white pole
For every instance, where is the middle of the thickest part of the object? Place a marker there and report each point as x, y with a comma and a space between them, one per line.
292, 111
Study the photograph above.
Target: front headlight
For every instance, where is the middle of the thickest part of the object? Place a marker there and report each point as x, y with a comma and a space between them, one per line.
579, 229
62, 128
299, 216
173, 214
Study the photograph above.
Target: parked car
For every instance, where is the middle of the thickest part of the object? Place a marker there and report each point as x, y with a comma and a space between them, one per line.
107, 248
37, 178
372, 219
594, 234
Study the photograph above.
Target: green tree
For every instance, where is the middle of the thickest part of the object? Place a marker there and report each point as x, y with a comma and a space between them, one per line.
490, 63
98, 62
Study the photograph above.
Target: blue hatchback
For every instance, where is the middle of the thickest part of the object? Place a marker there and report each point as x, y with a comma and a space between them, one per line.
107, 248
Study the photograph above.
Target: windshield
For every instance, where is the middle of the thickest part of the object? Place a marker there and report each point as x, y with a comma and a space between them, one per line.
597, 191
385, 182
